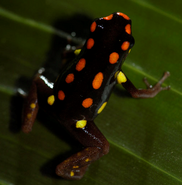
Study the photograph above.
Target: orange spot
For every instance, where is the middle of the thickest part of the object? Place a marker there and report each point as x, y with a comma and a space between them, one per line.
81, 64
90, 43
113, 57
93, 26
97, 82
69, 78
87, 102
128, 28
123, 15
61, 95
125, 45
108, 17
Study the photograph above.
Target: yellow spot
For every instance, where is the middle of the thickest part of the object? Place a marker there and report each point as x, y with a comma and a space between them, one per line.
66, 161
121, 78
29, 115
75, 166
81, 123
77, 51
72, 174
50, 99
32, 105
102, 107
129, 51
87, 159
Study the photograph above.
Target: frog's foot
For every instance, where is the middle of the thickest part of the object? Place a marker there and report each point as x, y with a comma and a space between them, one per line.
74, 173
74, 167
150, 92
96, 146
158, 87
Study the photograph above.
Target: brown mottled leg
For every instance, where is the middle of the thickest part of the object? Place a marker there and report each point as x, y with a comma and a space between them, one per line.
30, 109
95, 145
40, 85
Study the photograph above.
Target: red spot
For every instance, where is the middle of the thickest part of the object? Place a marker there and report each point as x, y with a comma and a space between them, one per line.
61, 95
97, 82
123, 15
125, 45
108, 17
81, 64
90, 43
93, 26
128, 28
69, 78
113, 57
87, 102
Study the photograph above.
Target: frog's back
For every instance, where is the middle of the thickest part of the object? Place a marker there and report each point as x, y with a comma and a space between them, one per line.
86, 83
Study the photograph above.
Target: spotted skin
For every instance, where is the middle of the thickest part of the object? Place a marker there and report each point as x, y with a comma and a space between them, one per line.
82, 89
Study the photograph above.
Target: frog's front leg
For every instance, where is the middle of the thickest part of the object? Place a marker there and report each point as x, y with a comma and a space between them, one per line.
150, 92
95, 145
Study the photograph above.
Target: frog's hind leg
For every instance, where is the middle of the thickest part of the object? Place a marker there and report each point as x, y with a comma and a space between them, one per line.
40, 85
30, 109
95, 145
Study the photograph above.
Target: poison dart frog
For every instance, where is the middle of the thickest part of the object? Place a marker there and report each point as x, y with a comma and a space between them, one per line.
82, 89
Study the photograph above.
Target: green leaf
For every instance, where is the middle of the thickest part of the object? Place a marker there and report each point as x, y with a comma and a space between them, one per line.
145, 134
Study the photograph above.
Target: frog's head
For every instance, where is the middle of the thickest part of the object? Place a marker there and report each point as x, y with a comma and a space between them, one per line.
113, 33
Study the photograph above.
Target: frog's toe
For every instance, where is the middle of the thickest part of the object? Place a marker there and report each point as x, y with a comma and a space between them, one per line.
74, 173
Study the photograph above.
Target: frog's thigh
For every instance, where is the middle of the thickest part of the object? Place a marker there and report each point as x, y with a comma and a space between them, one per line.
90, 135
95, 144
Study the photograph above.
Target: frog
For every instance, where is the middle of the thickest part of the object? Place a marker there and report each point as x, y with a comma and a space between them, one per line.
82, 89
